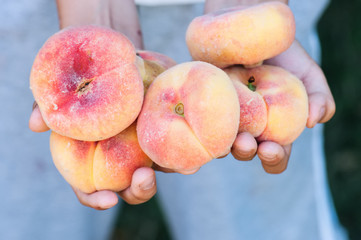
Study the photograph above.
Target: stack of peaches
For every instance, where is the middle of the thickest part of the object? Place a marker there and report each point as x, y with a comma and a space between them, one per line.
113, 109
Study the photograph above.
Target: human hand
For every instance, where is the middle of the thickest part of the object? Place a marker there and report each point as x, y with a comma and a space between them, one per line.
120, 16
142, 188
273, 156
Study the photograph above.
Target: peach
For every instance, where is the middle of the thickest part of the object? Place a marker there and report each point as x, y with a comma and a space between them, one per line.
241, 35
273, 102
190, 116
105, 165
87, 83
158, 58
151, 65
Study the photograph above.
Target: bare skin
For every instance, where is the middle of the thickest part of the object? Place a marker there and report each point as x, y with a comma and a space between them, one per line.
122, 16
273, 156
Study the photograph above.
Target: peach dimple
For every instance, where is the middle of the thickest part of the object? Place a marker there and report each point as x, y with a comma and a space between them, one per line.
281, 109
86, 83
105, 165
116, 159
190, 115
241, 35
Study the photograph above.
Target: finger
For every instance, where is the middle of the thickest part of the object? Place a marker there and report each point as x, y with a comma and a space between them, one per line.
244, 147
99, 200
156, 167
297, 61
188, 171
142, 188
273, 156
36, 121
321, 103
321, 109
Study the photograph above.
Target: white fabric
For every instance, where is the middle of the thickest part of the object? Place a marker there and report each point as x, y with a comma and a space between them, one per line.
228, 199
36, 202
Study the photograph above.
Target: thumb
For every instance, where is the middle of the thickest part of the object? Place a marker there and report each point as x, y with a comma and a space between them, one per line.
36, 121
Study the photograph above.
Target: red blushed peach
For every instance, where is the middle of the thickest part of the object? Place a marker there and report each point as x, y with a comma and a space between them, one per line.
274, 103
86, 83
241, 35
190, 116
105, 165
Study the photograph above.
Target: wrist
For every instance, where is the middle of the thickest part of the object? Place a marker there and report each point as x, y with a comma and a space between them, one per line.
121, 16
82, 12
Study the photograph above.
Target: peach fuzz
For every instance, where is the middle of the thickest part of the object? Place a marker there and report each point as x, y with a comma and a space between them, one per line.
105, 165
87, 83
273, 102
190, 116
241, 35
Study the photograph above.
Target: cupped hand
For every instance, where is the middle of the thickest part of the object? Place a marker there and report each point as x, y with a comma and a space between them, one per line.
321, 103
142, 188
273, 156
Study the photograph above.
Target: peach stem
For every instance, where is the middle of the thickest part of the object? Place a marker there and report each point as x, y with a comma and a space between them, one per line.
250, 84
179, 109
83, 86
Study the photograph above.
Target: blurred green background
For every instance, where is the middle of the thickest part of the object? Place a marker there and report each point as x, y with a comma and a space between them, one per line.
340, 35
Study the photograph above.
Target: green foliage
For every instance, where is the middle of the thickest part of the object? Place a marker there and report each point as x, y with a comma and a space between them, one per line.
141, 222
340, 34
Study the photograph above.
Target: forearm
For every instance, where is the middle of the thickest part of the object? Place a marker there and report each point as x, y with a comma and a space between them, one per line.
119, 15
213, 5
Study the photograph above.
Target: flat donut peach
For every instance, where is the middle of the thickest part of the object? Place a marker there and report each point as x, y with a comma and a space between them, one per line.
190, 116
105, 165
87, 83
241, 35
273, 102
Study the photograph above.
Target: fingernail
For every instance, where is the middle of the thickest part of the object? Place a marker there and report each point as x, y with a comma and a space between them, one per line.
147, 184
269, 156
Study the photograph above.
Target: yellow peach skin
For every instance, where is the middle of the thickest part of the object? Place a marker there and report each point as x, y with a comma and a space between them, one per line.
108, 164
273, 102
87, 83
190, 116
105, 165
241, 35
